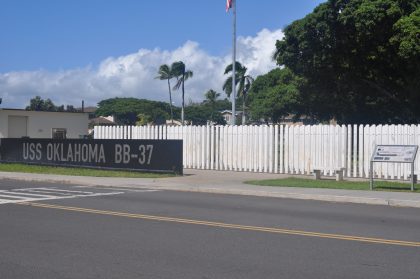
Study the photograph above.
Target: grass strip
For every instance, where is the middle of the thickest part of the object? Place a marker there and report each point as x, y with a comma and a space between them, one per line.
332, 184
6, 167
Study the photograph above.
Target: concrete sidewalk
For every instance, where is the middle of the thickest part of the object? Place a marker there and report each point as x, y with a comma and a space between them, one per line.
224, 182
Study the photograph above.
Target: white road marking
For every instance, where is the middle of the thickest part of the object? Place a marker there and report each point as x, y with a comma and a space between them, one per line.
128, 189
66, 191
132, 190
12, 196
49, 192
34, 194
30, 194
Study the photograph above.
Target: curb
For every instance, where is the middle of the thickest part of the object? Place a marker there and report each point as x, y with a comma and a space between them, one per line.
296, 196
257, 193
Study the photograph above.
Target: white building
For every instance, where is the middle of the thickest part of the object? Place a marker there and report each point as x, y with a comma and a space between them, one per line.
17, 123
227, 115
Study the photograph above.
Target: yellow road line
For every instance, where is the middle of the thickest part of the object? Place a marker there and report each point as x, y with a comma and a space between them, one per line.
227, 225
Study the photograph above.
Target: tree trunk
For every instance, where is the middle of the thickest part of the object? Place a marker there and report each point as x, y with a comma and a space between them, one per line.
243, 111
170, 101
183, 91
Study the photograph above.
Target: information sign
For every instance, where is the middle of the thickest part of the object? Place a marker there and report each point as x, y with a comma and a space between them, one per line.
394, 154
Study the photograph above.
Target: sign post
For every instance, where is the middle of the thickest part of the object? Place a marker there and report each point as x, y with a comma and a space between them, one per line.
404, 154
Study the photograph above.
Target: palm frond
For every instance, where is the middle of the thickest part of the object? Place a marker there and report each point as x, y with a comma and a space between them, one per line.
178, 68
164, 72
238, 67
178, 84
227, 86
188, 74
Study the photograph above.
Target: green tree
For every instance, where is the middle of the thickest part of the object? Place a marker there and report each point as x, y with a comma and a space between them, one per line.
275, 95
126, 110
49, 105
243, 82
211, 100
224, 104
36, 104
406, 35
166, 73
200, 114
208, 110
211, 97
180, 72
39, 104
70, 108
359, 58
154, 117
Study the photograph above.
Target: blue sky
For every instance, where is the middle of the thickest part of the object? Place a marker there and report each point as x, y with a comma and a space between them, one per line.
49, 40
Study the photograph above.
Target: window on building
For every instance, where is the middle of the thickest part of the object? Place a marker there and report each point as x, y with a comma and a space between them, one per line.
59, 133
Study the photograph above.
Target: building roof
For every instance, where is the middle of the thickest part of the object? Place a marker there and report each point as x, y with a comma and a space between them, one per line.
40, 111
230, 112
101, 121
89, 109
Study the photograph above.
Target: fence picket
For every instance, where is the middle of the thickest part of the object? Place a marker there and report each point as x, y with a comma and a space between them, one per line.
280, 148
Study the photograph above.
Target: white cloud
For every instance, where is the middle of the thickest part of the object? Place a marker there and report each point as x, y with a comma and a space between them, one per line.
133, 75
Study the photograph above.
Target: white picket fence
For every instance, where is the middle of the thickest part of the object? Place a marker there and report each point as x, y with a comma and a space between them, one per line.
280, 148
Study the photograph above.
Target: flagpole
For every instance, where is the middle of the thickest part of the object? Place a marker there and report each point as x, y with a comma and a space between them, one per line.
234, 65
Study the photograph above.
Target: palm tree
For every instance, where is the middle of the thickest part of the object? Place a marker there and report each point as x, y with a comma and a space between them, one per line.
179, 71
211, 98
242, 80
165, 73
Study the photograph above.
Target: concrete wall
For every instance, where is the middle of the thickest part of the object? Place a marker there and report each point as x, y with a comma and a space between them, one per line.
41, 123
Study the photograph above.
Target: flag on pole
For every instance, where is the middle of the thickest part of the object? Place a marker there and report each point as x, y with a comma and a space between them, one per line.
228, 5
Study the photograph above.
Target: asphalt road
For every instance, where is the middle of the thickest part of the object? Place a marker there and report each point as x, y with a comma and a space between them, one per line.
66, 231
